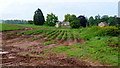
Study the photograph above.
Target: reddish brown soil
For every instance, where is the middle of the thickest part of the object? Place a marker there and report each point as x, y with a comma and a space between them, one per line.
111, 45
30, 52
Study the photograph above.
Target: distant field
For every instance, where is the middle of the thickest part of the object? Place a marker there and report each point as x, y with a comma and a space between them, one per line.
8, 27
35, 26
84, 43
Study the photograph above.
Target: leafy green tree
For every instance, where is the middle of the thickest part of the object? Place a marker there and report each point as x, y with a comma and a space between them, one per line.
67, 17
51, 20
104, 18
97, 16
30, 22
112, 21
83, 21
91, 21
72, 18
38, 17
75, 23
118, 22
97, 19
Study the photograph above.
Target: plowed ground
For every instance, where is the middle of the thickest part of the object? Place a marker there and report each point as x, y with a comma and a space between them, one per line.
26, 51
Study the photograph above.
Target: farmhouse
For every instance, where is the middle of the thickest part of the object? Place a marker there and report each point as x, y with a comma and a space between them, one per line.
62, 24
103, 24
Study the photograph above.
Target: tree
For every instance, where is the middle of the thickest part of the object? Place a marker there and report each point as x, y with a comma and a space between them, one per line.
97, 19
15, 22
51, 20
73, 20
91, 21
38, 17
104, 18
67, 17
111, 21
83, 21
30, 22
118, 22
75, 23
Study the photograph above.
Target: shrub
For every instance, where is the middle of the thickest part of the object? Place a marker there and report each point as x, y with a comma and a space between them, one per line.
88, 32
108, 31
26, 54
93, 31
30, 22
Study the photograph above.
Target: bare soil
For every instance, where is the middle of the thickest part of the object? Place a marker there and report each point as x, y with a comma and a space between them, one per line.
29, 52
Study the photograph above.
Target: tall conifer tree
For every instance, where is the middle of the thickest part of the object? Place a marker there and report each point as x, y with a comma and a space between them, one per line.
38, 17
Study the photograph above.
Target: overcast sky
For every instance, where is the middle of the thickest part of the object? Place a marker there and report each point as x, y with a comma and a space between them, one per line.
24, 9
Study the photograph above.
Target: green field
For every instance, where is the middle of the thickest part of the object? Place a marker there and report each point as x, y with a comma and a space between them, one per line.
8, 27
96, 50
100, 45
45, 27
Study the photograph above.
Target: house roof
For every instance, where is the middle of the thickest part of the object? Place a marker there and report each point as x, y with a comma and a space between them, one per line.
65, 22
59, 22
104, 22
62, 22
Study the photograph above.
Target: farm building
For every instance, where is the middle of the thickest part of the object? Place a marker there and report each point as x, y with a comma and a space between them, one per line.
62, 24
58, 24
103, 24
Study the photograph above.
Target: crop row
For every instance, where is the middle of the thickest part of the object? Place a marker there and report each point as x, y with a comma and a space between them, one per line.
65, 35
55, 35
32, 32
52, 34
59, 34
72, 35
46, 33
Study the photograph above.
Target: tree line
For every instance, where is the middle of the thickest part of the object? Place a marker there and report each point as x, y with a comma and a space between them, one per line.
75, 22
111, 20
15, 22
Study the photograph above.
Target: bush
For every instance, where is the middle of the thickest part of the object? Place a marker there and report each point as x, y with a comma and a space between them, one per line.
88, 32
94, 31
108, 31
30, 22
26, 54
